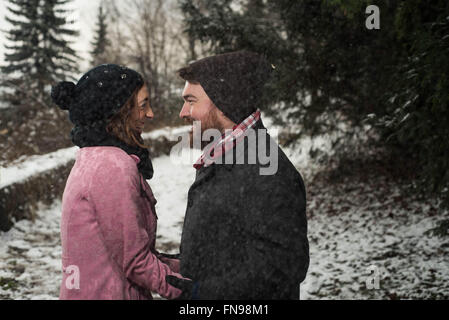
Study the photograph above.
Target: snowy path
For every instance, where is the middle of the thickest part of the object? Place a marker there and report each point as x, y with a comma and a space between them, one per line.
368, 241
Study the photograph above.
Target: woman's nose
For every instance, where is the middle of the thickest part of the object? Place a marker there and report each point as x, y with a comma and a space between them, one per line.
185, 111
150, 114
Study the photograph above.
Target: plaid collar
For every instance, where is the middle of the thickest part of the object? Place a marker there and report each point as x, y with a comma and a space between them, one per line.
227, 141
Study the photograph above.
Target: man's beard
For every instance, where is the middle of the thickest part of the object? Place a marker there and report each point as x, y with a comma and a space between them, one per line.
210, 122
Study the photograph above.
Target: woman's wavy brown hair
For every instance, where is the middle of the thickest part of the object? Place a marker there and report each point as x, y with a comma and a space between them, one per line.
120, 124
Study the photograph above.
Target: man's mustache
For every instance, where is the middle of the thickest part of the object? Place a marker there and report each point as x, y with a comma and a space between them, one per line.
188, 120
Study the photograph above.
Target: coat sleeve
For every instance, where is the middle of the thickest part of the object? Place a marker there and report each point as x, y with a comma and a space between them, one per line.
115, 192
174, 264
275, 249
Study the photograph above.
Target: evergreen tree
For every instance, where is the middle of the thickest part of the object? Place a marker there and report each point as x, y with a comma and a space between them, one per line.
40, 53
328, 67
100, 42
418, 117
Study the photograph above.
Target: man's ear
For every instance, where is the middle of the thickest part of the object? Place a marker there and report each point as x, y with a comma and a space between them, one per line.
220, 113
226, 121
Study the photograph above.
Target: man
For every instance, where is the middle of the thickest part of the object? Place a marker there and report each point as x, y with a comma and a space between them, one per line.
245, 230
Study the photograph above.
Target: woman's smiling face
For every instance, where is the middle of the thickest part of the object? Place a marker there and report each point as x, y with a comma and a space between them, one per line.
142, 110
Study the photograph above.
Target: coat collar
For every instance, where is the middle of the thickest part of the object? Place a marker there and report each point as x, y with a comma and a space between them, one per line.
93, 136
207, 172
202, 174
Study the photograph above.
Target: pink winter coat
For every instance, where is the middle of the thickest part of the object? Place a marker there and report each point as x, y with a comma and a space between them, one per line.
108, 231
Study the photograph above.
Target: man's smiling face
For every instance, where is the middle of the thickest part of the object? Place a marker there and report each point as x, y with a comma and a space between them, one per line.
199, 107
197, 104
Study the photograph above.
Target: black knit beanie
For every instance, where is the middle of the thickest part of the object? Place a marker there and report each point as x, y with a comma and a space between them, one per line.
233, 81
98, 95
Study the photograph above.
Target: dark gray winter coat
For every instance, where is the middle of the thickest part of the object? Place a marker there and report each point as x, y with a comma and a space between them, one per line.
245, 234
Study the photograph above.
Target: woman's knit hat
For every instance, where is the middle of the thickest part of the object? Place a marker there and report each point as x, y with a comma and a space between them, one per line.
98, 95
233, 81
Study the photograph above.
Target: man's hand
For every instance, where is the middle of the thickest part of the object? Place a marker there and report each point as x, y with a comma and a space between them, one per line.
188, 287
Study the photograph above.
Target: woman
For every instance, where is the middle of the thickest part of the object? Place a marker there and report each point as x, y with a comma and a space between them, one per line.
108, 224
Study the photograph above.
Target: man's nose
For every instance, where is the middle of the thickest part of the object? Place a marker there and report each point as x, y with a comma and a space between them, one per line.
185, 111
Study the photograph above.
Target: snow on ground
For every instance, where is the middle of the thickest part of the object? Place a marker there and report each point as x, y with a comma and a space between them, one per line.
368, 241
30, 257
168, 132
361, 234
25, 167
170, 185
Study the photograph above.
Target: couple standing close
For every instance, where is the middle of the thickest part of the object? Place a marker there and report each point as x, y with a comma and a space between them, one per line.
244, 233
